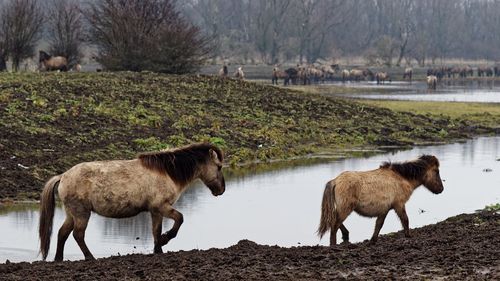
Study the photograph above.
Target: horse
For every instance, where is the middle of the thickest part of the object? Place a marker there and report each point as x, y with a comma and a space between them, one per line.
223, 72
50, 63
432, 82
408, 73
357, 74
123, 188
484, 71
77, 68
345, 74
293, 75
374, 193
381, 77
239, 74
278, 74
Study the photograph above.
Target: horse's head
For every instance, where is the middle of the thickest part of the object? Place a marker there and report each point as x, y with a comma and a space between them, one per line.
211, 173
432, 179
43, 56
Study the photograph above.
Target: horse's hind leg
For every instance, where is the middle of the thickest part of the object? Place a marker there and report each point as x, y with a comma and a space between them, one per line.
378, 226
341, 215
345, 233
80, 226
62, 236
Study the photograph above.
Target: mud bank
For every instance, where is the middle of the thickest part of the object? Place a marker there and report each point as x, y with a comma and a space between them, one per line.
463, 247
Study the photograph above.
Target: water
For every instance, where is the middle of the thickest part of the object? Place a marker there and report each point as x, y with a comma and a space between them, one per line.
486, 91
275, 208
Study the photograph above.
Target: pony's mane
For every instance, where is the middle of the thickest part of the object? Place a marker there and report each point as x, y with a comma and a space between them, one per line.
181, 163
412, 170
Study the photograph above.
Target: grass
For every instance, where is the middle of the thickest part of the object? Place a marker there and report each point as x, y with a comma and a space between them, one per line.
486, 114
52, 121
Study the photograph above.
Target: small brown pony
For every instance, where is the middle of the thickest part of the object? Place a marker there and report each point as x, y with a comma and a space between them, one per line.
374, 193
123, 188
49, 63
381, 77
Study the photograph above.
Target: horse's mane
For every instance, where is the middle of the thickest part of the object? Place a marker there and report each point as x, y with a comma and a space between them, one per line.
412, 170
181, 163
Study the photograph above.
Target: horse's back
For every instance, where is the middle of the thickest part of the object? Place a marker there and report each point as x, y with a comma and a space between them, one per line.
371, 192
119, 188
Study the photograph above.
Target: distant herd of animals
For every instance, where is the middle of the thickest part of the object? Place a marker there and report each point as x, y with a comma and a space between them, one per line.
154, 181
312, 74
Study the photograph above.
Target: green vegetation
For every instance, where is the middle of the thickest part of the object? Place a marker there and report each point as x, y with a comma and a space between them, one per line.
52, 121
486, 114
493, 207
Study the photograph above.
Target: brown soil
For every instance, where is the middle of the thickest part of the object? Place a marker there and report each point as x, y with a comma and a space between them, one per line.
465, 247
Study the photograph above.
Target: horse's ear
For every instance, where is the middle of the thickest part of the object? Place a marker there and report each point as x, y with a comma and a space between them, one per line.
213, 155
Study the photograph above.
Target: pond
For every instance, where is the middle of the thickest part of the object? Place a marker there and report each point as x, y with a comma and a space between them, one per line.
280, 207
485, 91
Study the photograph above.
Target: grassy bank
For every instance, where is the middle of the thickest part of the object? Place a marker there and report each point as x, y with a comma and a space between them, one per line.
485, 114
49, 122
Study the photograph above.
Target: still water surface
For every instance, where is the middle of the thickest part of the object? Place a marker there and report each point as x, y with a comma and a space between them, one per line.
487, 91
275, 208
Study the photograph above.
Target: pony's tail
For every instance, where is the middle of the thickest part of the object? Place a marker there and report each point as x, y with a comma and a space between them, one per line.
47, 206
328, 209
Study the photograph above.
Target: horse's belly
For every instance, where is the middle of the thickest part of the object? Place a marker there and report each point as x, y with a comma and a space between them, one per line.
373, 208
118, 210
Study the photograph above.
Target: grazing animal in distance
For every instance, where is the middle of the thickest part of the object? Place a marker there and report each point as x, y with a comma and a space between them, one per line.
432, 82
278, 74
345, 75
239, 74
50, 63
223, 72
408, 73
374, 193
123, 188
381, 77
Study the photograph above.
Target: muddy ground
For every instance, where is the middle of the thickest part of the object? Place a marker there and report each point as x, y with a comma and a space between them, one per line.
465, 247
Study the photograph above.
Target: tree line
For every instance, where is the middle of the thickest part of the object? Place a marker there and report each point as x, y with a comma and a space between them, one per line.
179, 36
131, 35
390, 32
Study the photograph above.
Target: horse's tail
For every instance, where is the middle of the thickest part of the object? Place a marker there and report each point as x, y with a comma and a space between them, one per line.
328, 209
47, 206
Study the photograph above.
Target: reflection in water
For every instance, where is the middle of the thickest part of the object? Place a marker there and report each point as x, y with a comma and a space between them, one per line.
278, 207
448, 90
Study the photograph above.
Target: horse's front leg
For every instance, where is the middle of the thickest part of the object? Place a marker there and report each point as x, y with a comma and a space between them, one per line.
157, 220
401, 212
169, 212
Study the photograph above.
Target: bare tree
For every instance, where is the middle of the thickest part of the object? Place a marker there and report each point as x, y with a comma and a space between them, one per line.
145, 35
4, 39
64, 29
23, 21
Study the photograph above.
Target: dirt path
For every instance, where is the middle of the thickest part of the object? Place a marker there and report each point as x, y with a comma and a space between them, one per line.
465, 247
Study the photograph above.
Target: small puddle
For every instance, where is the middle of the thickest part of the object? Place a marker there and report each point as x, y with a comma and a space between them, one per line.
280, 207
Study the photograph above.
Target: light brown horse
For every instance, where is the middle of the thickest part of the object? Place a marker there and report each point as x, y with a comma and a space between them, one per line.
408, 73
239, 74
374, 193
49, 63
381, 77
432, 82
123, 188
